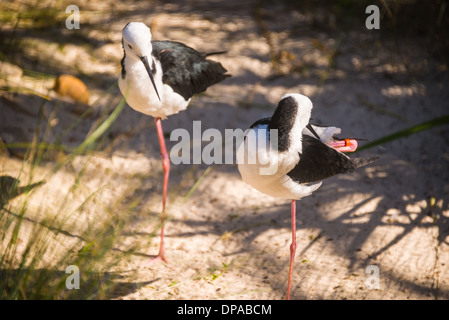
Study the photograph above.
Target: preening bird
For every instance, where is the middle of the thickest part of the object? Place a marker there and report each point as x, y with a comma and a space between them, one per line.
287, 157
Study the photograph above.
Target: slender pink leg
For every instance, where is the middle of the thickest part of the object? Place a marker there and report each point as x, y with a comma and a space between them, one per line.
166, 168
292, 248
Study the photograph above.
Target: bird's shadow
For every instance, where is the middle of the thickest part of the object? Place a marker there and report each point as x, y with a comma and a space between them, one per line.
348, 232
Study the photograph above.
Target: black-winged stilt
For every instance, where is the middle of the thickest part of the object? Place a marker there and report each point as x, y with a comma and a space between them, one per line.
302, 155
158, 79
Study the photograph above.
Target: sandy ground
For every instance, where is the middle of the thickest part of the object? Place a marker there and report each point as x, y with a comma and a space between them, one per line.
227, 240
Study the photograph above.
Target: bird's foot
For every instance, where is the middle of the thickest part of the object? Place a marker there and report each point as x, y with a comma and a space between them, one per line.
160, 257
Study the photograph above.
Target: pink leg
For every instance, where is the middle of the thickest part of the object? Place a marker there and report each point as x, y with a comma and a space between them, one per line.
166, 168
292, 248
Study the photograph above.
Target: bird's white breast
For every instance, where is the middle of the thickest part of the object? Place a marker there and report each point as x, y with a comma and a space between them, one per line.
266, 170
140, 95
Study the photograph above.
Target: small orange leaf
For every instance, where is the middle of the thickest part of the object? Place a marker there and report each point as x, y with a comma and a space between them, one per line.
70, 86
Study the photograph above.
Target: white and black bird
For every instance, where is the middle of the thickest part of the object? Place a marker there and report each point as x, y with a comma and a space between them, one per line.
158, 79
299, 154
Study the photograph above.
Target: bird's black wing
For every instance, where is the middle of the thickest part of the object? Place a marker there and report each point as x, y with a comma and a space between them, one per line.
187, 71
319, 161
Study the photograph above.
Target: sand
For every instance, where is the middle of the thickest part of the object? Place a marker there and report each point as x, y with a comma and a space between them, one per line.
227, 240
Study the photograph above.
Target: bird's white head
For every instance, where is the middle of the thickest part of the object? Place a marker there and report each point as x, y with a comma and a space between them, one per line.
303, 106
290, 118
137, 40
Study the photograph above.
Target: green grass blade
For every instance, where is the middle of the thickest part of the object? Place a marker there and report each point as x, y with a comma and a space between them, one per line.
101, 129
197, 184
406, 132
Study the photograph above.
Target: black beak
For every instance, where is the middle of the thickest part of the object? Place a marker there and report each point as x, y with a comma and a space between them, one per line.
309, 126
144, 59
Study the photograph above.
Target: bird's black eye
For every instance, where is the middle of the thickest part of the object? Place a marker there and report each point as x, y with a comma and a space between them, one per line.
129, 46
